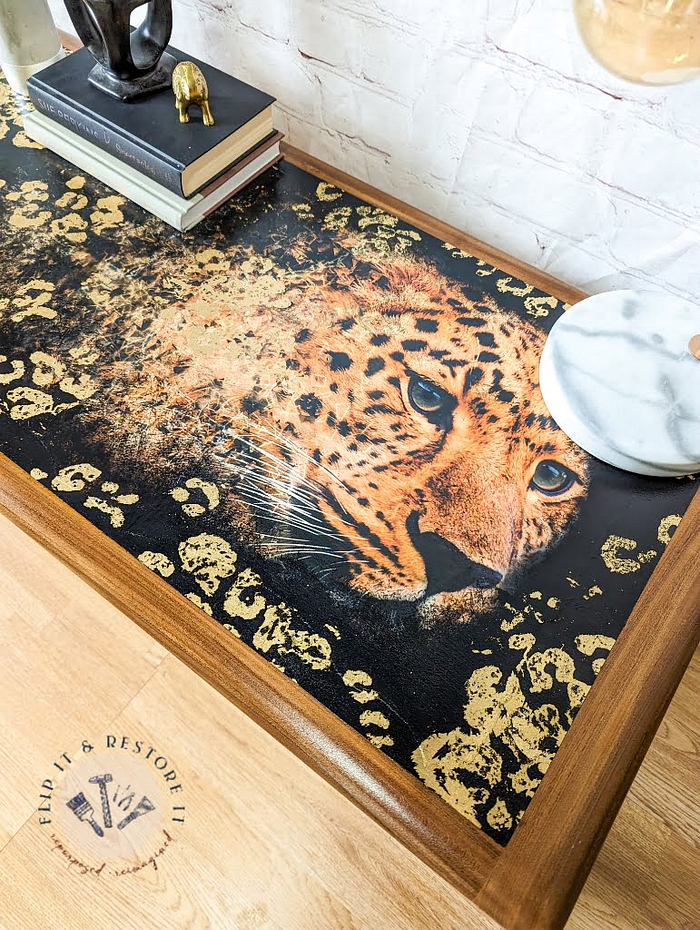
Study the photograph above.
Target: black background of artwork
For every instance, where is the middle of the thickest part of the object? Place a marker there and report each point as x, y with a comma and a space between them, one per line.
419, 674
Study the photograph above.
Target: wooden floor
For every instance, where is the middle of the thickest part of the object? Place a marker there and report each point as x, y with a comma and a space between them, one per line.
266, 843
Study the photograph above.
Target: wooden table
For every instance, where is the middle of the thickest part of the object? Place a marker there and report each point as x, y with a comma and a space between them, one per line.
534, 880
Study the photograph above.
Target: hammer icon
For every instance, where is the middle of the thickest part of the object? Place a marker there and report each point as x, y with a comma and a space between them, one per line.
102, 781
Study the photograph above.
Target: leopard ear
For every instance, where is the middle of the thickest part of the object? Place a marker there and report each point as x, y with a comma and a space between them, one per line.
411, 283
378, 268
476, 300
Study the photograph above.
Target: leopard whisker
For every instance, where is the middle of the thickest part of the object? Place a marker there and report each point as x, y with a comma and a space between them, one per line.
296, 498
284, 486
299, 476
284, 540
306, 515
289, 443
278, 481
279, 465
261, 503
307, 553
324, 572
266, 485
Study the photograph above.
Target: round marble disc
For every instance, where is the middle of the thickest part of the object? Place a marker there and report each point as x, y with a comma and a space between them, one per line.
620, 374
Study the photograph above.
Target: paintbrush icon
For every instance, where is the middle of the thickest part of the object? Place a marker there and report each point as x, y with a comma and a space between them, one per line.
83, 810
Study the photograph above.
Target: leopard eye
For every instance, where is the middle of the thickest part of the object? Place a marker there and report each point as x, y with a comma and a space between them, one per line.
552, 478
425, 396
433, 402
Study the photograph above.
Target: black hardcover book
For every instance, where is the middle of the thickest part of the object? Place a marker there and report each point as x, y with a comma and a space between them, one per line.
146, 133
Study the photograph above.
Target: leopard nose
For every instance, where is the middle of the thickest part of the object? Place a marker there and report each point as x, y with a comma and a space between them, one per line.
449, 569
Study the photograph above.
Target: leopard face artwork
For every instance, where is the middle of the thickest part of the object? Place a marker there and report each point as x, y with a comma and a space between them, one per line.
396, 442
323, 427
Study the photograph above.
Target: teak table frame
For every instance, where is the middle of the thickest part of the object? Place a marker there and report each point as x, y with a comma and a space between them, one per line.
533, 882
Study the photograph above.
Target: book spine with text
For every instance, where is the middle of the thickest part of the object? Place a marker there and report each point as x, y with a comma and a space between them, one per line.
123, 148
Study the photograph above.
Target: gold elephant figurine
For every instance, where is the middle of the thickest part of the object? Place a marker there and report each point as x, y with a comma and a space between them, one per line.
190, 86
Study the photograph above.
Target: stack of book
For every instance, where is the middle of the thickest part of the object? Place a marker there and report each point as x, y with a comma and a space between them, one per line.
178, 171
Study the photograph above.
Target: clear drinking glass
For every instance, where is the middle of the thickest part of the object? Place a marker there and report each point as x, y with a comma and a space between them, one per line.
647, 41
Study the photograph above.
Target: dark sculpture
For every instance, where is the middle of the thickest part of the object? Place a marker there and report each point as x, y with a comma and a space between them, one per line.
130, 62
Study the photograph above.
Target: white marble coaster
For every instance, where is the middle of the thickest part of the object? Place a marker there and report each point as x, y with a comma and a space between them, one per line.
619, 376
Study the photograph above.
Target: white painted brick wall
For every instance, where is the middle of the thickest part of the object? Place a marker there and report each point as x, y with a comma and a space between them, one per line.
489, 115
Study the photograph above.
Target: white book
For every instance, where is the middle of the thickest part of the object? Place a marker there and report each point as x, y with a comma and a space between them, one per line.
176, 211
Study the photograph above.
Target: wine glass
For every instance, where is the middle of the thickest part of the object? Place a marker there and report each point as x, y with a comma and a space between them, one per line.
646, 41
